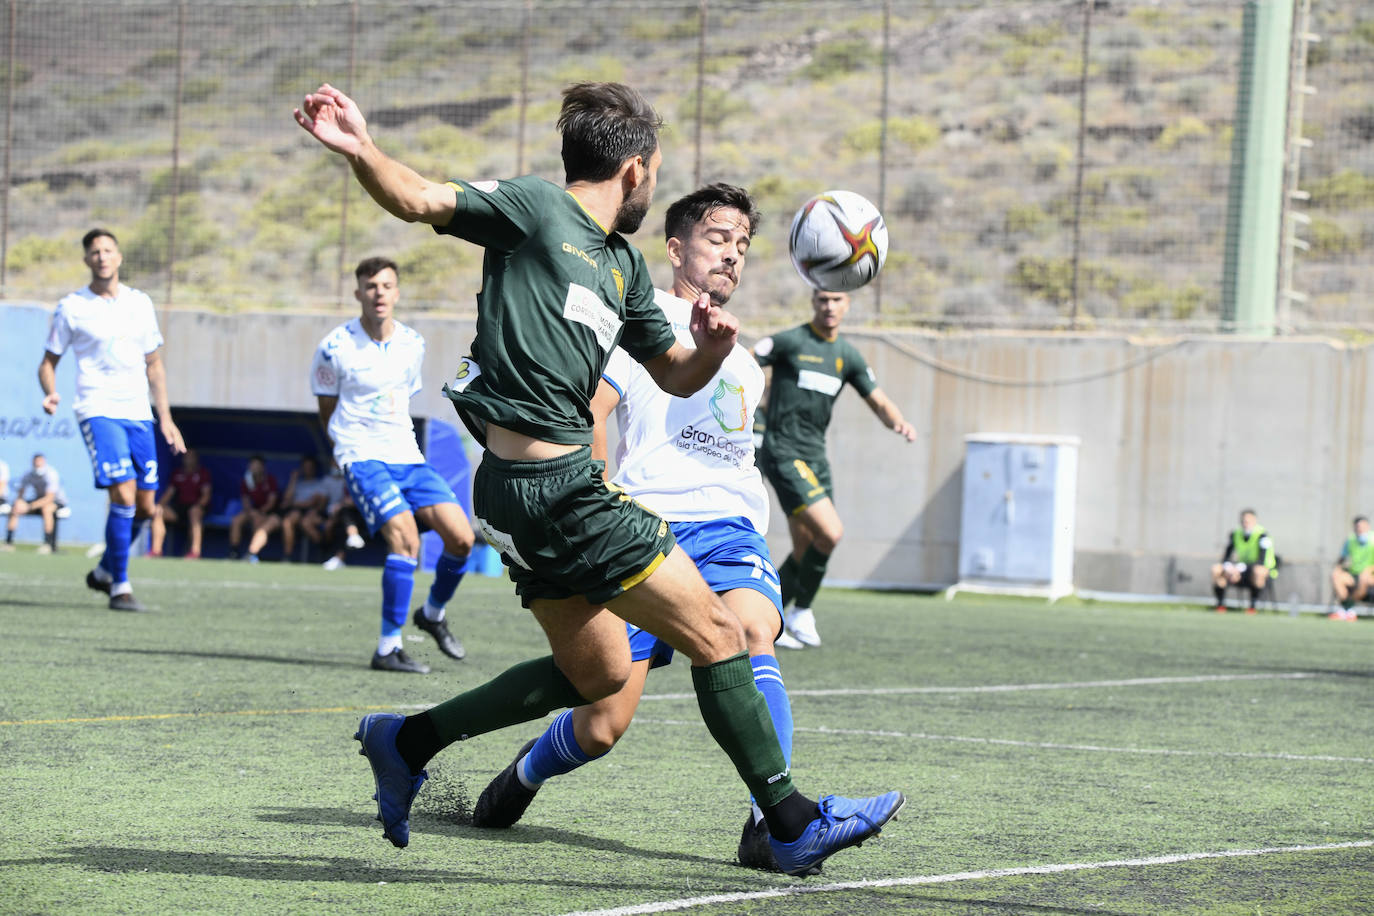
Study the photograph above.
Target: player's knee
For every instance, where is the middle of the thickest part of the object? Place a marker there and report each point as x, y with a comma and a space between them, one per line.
597, 684
602, 733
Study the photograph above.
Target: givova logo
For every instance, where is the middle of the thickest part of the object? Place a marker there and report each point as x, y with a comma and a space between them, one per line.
727, 406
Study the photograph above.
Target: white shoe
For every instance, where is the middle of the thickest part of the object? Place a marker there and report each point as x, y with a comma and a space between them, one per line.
333, 563
95, 550
43, 548
801, 623
354, 542
786, 640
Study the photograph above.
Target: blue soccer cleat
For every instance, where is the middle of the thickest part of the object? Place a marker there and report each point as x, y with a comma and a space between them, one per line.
844, 822
396, 786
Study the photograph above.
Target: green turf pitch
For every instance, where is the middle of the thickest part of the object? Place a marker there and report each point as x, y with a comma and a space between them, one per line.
199, 758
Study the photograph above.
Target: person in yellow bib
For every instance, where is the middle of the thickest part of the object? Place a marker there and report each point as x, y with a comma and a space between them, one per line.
1354, 573
1248, 560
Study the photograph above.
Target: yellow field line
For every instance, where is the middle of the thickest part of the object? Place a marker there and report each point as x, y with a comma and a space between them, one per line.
87, 720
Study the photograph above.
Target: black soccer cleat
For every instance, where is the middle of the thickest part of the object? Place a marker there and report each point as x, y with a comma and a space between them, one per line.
448, 643
126, 602
504, 800
96, 585
397, 660
756, 852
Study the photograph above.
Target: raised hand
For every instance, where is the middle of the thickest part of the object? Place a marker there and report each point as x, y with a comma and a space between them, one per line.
713, 328
333, 119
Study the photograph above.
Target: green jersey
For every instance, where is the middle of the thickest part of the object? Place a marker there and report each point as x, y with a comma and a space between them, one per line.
808, 373
559, 293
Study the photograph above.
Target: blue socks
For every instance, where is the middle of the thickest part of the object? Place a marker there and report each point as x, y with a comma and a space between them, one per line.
448, 572
119, 527
768, 677
556, 752
398, 582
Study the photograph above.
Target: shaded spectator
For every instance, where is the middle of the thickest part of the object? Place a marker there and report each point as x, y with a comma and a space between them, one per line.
304, 506
260, 496
39, 493
184, 502
343, 527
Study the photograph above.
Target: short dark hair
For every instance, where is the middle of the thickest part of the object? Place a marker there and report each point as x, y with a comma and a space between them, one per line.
685, 212
370, 267
1358, 519
603, 124
1245, 512
94, 234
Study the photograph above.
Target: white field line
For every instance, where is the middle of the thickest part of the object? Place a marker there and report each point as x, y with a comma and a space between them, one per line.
1013, 688
683, 903
1044, 745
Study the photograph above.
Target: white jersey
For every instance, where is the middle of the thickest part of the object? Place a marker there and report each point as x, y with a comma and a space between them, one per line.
374, 382
690, 459
111, 339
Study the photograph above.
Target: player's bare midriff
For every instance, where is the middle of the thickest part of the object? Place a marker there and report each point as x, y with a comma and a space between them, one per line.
513, 446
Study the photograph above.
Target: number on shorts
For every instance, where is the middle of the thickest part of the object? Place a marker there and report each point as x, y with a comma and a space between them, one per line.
150, 471
764, 570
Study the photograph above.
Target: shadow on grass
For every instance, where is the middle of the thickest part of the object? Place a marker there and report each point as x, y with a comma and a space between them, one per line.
975, 904
272, 867
244, 657
524, 834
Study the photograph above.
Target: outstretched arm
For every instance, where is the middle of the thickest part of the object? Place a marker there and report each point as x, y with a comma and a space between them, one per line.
334, 119
887, 411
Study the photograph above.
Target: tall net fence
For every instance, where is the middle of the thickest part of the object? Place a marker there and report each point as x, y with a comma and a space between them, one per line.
1039, 163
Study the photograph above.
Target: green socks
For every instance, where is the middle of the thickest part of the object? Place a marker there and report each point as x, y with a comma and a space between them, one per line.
810, 572
737, 716
520, 693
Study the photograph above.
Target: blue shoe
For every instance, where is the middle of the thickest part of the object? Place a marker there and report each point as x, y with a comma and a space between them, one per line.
844, 822
396, 787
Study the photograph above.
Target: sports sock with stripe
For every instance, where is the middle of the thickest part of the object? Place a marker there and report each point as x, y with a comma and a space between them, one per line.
555, 753
768, 677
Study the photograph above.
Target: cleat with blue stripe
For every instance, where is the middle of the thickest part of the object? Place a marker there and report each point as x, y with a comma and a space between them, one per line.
843, 822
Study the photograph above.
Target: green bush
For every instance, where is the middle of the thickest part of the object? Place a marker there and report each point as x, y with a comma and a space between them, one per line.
1328, 240
835, 59
1345, 189
35, 250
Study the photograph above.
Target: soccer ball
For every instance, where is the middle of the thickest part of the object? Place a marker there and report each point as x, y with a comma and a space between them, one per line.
838, 241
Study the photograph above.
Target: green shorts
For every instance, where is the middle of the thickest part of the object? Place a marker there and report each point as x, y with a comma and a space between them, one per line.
798, 482
562, 531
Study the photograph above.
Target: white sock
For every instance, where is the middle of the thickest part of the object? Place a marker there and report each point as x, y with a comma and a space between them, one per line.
388, 644
433, 613
121, 588
522, 774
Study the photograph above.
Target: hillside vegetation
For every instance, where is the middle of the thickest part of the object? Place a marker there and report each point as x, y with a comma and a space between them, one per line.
976, 161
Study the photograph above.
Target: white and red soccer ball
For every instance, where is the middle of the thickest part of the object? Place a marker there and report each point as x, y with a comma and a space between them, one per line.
838, 241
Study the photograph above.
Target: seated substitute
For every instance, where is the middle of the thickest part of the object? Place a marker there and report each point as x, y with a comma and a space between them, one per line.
343, 522
304, 505
185, 501
260, 497
1353, 576
1248, 560
39, 493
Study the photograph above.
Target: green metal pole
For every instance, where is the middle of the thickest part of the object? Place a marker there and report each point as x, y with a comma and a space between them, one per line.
1249, 287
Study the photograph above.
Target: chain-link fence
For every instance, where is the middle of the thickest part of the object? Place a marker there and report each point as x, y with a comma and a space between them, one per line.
1039, 163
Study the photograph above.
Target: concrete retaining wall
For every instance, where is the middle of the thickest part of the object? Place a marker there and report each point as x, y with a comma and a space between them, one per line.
1178, 434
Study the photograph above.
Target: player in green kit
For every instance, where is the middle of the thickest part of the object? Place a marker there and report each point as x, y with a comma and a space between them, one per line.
561, 287
810, 364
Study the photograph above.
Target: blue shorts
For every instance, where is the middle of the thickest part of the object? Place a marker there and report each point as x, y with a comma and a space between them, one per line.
382, 490
730, 554
121, 450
